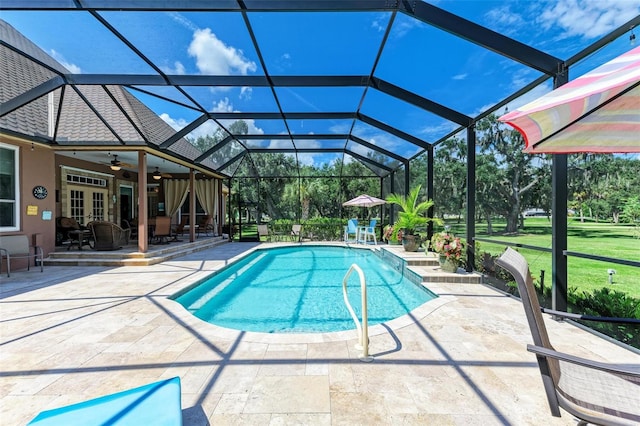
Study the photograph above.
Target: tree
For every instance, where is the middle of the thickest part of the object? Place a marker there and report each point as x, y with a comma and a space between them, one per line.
631, 210
517, 171
450, 177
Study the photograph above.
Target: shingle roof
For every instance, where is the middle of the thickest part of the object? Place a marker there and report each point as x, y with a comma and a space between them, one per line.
90, 114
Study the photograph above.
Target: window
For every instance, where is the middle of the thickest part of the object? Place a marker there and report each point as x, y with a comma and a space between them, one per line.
9, 188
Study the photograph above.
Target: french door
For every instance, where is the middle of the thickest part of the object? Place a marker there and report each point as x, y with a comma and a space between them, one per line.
86, 204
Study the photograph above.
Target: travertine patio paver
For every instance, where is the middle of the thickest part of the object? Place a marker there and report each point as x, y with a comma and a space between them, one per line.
73, 334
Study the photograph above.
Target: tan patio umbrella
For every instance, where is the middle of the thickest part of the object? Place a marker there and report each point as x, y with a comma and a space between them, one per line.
364, 200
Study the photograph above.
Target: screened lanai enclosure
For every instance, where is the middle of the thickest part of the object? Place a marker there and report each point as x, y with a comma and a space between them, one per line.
301, 105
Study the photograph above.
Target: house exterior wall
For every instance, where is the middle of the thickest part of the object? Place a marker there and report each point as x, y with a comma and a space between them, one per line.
36, 167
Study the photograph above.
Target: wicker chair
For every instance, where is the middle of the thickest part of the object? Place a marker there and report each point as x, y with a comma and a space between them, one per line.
108, 236
594, 392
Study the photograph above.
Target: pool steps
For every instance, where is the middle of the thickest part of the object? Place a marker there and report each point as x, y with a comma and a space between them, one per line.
424, 268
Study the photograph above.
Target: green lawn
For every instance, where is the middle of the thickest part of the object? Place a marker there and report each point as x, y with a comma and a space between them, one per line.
602, 239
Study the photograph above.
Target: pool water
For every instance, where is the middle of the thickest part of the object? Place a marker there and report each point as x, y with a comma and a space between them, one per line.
299, 289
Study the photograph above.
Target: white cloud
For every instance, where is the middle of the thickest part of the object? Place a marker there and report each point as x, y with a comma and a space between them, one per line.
178, 69
280, 144
223, 105
588, 18
404, 26
177, 124
460, 76
214, 57
183, 20
245, 93
207, 128
306, 159
380, 23
508, 21
73, 68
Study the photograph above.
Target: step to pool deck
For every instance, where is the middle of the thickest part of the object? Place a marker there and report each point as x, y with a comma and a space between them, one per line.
427, 266
128, 256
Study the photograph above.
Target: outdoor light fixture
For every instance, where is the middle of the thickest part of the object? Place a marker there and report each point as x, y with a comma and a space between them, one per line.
157, 175
115, 164
632, 37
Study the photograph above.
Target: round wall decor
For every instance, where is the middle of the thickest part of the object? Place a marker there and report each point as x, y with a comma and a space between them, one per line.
40, 192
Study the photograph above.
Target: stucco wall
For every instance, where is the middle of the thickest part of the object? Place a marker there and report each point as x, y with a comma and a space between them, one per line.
36, 167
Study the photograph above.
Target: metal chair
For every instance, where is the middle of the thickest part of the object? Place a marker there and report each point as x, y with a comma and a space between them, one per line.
592, 391
205, 225
296, 232
263, 231
162, 230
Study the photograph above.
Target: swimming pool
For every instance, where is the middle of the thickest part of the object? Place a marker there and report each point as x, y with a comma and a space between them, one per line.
299, 289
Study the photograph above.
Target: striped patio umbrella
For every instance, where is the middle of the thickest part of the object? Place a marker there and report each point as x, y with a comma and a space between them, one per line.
597, 112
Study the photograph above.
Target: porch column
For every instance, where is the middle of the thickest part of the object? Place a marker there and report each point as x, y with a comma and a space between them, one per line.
220, 210
192, 205
143, 209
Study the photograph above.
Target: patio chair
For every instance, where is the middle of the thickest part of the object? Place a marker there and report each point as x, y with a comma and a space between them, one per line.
592, 391
132, 227
180, 227
108, 236
162, 230
263, 231
63, 226
296, 232
351, 229
367, 232
205, 225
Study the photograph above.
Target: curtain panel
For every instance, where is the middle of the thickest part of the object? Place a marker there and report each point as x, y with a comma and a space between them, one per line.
175, 192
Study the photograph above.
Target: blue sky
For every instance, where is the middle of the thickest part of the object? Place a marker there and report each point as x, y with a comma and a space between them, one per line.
416, 57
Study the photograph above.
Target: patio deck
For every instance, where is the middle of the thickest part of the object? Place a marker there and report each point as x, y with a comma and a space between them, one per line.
71, 334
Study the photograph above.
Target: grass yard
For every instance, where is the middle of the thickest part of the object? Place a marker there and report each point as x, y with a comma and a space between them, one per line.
601, 239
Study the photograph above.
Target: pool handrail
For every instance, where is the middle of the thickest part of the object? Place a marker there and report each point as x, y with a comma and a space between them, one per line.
362, 329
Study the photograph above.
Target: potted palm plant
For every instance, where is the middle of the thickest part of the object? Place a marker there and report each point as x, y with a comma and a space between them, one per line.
412, 215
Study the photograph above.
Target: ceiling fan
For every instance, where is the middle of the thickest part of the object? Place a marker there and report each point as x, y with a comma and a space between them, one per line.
116, 164
157, 175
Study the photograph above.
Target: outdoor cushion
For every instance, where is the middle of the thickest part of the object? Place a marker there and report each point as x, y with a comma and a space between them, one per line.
153, 404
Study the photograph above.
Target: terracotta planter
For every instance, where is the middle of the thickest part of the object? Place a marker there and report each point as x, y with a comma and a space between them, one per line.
411, 242
447, 265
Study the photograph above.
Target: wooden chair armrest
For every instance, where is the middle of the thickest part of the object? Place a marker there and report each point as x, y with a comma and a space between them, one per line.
633, 370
